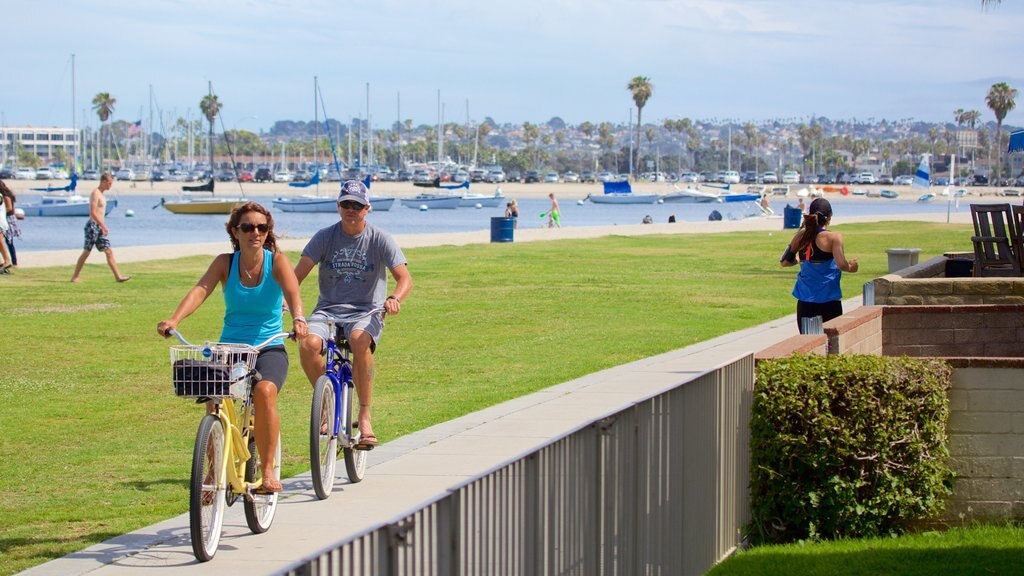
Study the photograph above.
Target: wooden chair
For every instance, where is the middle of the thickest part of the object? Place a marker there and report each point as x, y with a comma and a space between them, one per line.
994, 236
1017, 242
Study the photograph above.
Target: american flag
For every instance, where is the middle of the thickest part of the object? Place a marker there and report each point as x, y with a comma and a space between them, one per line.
135, 128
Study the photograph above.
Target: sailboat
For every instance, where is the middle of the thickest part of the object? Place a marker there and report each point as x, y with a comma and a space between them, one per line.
316, 202
63, 200
192, 200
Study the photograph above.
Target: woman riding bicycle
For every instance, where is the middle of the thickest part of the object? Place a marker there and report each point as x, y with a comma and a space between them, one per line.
256, 277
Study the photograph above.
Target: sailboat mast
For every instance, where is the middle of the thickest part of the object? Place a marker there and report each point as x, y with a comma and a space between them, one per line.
210, 143
316, 134
74, 120
369, 130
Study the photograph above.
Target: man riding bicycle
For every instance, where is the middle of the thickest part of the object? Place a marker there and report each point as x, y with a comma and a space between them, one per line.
353, 258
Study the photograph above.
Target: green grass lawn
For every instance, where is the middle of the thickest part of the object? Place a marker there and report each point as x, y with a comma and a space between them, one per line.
96, 444
979, 550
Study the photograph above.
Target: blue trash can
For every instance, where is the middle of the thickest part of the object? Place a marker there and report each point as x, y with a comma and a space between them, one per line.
502, 229
791, 217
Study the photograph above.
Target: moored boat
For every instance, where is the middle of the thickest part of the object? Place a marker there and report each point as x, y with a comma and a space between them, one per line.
689, 195
209, 205
63, 206
621, 193
432, 201
890, 194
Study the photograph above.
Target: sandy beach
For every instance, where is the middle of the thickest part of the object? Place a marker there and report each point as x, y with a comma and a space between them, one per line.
564, 191
128, 254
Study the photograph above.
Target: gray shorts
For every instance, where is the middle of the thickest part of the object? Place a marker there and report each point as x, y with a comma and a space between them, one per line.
272, 364
372, 325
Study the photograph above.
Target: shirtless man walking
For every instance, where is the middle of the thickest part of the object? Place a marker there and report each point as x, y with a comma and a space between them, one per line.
96, 231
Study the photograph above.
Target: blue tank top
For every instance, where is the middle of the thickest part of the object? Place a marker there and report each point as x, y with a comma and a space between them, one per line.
818, 279
252, 314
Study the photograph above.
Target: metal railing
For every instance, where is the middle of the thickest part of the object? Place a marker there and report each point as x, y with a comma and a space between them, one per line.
655, 488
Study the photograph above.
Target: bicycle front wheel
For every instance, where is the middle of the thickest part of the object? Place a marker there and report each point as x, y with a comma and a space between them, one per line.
322, 440
355, 460
260, 508
206, 491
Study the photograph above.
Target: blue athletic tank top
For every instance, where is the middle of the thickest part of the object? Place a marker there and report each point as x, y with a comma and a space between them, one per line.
818, 279
253, 314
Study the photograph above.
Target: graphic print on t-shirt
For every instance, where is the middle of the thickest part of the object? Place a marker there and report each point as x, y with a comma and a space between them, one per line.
350, 264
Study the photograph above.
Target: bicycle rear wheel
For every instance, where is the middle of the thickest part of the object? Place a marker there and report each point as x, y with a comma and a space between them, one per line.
206, 491
355, 460
323, 444
260, 508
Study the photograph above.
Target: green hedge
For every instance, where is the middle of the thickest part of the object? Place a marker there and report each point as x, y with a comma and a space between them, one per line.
847, 446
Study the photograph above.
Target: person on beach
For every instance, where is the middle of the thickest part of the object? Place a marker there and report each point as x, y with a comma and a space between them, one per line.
96, 231
802, 205
554, 216
256, 278
354, 258
512, 211
822, 262
11, 231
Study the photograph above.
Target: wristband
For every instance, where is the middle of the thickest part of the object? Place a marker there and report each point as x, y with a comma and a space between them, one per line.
788, 255
299, 319
395, 298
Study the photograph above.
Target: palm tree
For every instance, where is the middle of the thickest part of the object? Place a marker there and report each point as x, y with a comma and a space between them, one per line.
210, 106
642, 90
103, 103
1000, 100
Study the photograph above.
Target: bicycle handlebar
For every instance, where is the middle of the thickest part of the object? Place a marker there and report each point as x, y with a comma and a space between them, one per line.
260, 346
358, 316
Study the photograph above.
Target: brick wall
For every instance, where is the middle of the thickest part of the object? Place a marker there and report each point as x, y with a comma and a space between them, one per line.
801, 344
925, 284
856, 332
954, 331
986, 440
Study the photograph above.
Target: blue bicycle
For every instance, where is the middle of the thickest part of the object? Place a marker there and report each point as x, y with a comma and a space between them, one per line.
331, 430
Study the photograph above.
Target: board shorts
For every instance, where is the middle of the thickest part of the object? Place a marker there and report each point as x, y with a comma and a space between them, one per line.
94, 237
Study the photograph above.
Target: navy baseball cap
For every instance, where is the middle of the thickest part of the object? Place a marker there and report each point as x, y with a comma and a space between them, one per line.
354, 190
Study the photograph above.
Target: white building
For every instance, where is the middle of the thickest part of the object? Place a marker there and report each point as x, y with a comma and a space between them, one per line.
43, 142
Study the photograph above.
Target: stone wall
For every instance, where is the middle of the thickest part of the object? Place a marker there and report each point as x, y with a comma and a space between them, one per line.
986, 440
925, 284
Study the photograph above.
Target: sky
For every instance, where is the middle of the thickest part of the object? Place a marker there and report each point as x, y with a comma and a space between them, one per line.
510, 60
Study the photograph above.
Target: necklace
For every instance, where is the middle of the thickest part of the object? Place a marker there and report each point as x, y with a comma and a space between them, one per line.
255, 271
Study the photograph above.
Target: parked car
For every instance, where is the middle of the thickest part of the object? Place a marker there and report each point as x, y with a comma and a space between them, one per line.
980, 180
422, 176
731, 177
790, 177
460, 176
7, 173
514, 176
477, 175
44, 173
570, 176
532, 176
606, 176
885, 179
551, 178
864, 178
770, 177
24, 173
283, 176
124, 174
263, 175
245, 176
403, 175
903, 180
495, 176
750, 177
588, 176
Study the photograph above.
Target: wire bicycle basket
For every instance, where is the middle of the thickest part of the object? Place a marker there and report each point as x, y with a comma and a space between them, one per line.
213, 370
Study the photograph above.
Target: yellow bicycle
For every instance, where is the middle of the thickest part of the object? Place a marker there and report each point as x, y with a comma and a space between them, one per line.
225, 462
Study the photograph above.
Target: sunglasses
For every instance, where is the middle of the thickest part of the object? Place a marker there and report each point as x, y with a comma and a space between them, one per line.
350, 205
247, 228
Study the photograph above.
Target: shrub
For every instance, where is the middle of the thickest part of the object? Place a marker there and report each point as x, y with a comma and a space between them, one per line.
847, 446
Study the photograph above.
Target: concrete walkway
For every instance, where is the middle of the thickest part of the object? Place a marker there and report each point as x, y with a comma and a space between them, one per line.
409, 470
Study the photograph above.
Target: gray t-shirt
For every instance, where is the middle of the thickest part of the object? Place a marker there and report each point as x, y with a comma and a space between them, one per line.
353, 269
